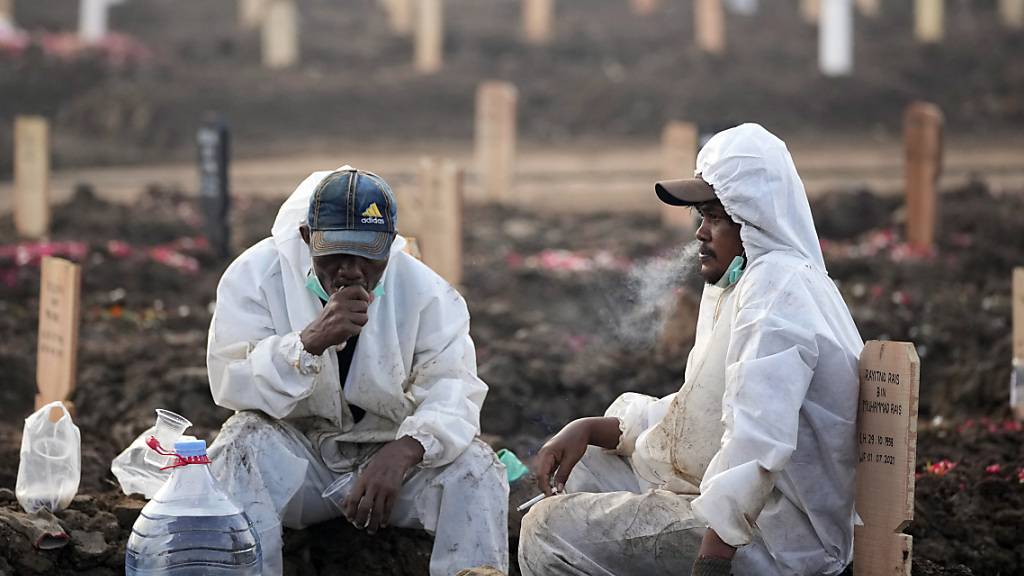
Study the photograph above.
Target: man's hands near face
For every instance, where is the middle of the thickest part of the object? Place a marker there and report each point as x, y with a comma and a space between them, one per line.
343, 316
376, 490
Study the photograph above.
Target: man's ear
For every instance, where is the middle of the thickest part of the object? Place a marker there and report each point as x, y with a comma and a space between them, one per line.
304, 232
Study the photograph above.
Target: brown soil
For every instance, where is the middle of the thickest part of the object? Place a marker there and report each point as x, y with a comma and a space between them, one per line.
552, 344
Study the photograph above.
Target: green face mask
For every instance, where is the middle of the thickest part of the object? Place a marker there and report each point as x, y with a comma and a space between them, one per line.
733, 272
314, 286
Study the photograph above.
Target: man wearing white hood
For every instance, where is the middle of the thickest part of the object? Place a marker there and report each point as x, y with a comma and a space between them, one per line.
749, 468
341, 353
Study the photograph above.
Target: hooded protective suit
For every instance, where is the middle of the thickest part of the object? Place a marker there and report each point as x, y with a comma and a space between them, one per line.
413, 372
765, 423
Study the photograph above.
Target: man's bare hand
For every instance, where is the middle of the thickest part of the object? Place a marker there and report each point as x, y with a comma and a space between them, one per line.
563, 451
343, 317
370, 502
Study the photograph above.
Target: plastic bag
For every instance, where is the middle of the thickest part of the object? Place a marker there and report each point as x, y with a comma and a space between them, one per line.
51, 460
135, 474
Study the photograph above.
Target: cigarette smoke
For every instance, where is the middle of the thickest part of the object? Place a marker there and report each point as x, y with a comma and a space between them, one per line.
649, 295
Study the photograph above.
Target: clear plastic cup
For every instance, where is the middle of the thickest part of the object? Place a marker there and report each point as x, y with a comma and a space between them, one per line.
339, 489
169, 428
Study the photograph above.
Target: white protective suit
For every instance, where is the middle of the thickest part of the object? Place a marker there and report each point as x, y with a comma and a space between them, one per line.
765, 423
413, 372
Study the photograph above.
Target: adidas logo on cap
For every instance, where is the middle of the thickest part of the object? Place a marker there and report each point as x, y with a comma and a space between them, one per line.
372, 215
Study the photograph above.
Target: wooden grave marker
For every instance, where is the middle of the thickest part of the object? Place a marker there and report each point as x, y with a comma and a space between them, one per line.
280, 38
870, 8
7, 10
644, 7
1017, 374
922, 140
929, 20
678, 160
495, 139
57, 351
835, 38
400, 15
31, 176
440, 191
1011, 12
429, 36
810, 10
538, 17
251, 13
890, 379
709, 19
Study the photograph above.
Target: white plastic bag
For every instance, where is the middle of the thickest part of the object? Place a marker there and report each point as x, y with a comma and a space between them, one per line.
134, 473
51, 460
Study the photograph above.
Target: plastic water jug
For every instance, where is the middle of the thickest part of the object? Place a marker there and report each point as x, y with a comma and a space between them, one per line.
190, 527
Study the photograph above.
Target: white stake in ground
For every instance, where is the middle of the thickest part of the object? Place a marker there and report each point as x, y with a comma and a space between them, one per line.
281, 35
31, 176
835, 38
429, 36
93, 18
929, 20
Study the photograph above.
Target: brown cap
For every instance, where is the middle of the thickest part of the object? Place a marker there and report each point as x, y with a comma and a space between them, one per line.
684, 192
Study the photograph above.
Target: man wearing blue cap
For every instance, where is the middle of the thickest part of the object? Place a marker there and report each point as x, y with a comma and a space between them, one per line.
343, 354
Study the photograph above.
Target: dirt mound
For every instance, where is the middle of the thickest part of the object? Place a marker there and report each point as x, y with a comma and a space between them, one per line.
554, 299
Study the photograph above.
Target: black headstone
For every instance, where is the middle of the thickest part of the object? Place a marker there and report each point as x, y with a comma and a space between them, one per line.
213, 140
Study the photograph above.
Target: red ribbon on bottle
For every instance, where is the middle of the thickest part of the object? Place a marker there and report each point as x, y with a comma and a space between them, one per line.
179, 460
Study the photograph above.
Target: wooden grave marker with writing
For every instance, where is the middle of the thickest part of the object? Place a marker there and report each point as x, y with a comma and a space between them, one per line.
890, 378
57, 352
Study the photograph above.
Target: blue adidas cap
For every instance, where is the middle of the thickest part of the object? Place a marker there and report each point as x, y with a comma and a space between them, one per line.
352, 212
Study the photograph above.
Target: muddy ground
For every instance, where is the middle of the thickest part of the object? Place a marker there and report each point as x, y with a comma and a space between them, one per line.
607, 74
560, 331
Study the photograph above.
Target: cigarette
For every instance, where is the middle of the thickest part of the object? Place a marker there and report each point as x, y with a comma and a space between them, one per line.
526, 505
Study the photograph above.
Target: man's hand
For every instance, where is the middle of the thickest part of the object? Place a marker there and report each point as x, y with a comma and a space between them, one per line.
343, 317
369, 503
715, 556
561, 453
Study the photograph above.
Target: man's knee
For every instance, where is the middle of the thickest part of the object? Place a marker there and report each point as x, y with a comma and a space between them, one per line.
479, 467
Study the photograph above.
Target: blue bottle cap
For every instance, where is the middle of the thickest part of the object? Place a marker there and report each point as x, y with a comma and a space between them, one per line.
188, 448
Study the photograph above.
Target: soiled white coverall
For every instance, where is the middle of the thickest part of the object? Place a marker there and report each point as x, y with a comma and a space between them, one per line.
413, 372
760, 442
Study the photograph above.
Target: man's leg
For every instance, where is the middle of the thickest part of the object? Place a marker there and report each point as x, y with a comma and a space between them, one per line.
585, 534
605, 526
268, 468
465, 506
